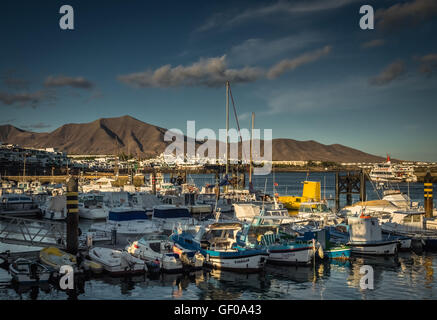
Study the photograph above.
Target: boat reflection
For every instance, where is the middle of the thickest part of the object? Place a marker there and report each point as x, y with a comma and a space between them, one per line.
30, 291
221, 284
379, 264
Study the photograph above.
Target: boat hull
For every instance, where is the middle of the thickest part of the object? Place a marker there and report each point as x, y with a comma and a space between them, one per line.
338, 253
381, 248
291, 255
243, 263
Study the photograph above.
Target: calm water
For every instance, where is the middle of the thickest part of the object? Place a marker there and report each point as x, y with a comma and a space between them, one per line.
407, 276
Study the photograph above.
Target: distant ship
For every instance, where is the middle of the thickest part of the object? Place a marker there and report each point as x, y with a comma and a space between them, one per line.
388, 172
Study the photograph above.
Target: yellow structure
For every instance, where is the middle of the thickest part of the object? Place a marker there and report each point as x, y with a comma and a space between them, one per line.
311, 192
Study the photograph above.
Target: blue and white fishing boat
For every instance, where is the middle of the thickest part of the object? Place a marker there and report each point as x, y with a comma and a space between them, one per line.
366, 237
263, 232
332, 248
217, 242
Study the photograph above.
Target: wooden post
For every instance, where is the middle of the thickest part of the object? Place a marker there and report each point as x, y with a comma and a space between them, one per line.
72, 216
337, 192
427, 193
363, 194
153, 181
349, 190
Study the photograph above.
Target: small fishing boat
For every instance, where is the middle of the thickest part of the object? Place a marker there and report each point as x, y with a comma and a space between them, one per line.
26, 271
366, 237
263, 232
158, 248
56, 258
329, 248
116, 261
217, 242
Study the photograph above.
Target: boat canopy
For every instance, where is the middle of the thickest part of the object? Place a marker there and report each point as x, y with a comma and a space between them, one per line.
171, 212
127, 215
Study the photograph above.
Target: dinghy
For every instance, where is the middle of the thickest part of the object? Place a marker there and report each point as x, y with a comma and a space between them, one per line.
158, 248
56, 258
116, 261
26, 271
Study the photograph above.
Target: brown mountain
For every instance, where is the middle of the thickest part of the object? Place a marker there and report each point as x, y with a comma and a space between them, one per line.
132, 136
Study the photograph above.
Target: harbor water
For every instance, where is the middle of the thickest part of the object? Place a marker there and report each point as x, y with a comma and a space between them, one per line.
408, 275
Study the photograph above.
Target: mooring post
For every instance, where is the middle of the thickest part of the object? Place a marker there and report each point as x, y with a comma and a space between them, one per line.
363, 194
72, 216
427, 193
337, 192
349, 189
153, 181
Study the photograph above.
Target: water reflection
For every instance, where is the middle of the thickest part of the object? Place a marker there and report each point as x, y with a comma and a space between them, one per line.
406, 276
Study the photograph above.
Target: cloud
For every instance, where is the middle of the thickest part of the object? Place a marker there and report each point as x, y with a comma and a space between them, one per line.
373, 43
406, 14
291, 64
280, 7
268, 49
211, 72
60, 81
390, 73
39, 125
25, 98
428, 64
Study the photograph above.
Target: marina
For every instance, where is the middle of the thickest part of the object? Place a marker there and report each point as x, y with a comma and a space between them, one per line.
330, 268
218, 155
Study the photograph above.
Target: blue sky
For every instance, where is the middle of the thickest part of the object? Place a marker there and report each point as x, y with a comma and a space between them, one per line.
304, 67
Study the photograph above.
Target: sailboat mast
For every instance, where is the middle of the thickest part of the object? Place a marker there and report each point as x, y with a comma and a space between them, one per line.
251, 146
227, 126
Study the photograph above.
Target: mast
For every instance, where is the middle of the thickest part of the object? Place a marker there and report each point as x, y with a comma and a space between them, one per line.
251, 146
227, 126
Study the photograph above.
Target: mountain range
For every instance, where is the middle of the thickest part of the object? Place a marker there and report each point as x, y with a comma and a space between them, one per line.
132, 136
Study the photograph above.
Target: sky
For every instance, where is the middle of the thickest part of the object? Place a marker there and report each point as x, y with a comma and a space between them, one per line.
306, 68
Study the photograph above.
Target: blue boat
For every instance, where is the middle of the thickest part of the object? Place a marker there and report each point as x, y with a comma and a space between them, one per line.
263, 232
332, 249
218, 244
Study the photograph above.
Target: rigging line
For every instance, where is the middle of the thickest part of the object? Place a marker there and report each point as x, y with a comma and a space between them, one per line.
236, 119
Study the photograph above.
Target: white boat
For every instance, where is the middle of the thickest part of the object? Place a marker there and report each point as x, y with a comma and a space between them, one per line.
388, 172
392, 201
188, 200
54, 208
18, 205
246, 212
116, 261
91, 207
224, 205
317, 211
126, 223
413, 223
26, 271
103, 185
366, 237
168, 217
158, 249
